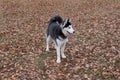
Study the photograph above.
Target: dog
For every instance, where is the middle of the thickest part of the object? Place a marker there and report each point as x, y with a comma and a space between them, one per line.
58, 30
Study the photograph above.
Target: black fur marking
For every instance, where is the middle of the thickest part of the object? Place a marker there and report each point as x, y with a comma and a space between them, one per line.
67, 24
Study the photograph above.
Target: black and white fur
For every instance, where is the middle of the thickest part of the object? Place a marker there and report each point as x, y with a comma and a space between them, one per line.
58, 30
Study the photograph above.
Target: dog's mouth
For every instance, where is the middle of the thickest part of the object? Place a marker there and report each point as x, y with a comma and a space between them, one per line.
69, 33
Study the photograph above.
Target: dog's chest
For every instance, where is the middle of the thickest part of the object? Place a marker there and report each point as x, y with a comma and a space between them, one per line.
62, 41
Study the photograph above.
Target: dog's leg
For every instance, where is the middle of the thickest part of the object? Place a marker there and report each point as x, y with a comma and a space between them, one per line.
47, 43
55, 45
62, 50
58, 54
58, 51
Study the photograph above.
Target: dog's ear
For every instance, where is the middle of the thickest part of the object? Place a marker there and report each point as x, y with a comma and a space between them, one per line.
65, 22
68, 20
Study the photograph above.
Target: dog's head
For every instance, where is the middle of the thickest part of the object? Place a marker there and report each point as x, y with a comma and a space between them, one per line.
67, 27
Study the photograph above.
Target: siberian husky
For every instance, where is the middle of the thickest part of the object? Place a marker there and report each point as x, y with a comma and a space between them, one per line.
58, 30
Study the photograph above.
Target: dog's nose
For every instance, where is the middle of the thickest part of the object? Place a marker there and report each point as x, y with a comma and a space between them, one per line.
73, 31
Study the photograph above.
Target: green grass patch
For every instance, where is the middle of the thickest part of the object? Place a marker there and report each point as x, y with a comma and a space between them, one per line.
39, 61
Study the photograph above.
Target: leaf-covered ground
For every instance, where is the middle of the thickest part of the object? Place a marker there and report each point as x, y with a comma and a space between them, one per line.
93, 53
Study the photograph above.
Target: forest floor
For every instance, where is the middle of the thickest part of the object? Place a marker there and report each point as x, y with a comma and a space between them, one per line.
93, 52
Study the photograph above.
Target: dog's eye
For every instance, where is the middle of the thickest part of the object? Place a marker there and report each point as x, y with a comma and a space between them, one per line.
69, 27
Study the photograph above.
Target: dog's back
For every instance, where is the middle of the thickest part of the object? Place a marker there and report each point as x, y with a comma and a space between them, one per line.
54, 29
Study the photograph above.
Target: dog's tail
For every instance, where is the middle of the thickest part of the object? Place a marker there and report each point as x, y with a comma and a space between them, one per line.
57, 19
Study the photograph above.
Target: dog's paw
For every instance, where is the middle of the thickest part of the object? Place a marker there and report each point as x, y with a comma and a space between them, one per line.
47, 50
58, 61
63, 56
